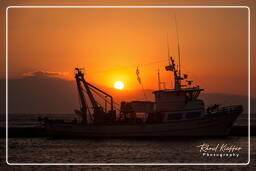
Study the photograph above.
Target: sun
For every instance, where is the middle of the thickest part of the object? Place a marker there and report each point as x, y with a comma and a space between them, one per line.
119, 85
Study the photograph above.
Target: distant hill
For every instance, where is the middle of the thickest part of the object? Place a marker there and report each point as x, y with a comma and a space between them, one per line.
53, 95
40, 95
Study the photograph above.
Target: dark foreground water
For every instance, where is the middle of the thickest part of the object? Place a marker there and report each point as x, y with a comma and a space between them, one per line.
154, 150
43, 150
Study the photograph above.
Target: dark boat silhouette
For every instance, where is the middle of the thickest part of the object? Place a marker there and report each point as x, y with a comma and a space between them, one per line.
175, 112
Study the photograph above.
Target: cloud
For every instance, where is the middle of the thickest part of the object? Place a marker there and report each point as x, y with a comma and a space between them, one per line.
46, 74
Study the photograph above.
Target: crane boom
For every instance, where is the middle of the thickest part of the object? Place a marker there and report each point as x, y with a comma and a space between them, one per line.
111, 98
99, 115
83, 107
93, 101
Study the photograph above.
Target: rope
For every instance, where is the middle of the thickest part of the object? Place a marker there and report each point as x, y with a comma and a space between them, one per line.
103, 97
131, 67
144, 92
87, 106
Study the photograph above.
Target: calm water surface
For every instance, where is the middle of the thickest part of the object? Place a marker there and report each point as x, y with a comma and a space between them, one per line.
43, 150
154, 150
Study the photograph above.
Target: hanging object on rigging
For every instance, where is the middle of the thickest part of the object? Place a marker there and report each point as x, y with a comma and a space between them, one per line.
138, 77
139, 81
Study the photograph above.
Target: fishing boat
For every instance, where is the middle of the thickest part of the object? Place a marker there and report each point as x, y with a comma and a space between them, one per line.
177, 111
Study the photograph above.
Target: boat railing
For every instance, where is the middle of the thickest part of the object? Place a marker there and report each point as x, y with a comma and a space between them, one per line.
233, 108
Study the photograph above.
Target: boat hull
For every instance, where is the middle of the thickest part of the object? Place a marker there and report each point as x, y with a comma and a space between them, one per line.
218, 124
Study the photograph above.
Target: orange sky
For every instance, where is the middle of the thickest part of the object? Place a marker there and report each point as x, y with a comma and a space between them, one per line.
110, 43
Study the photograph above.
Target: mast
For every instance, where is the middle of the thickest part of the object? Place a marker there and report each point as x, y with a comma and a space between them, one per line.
177, 33
177, 77
172, 65
159, 82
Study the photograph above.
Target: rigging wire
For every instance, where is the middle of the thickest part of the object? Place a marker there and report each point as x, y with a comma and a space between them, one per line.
132, 68
129, 67
103, 97
88, 107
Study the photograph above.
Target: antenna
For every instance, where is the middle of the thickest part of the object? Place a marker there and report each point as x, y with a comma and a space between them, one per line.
178, 42
158, 76
169, 60
168, 46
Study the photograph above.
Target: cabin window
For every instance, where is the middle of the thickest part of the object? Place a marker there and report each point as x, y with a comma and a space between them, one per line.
193, 114
174, 116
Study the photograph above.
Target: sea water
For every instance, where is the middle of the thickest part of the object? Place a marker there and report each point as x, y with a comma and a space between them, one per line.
121, 150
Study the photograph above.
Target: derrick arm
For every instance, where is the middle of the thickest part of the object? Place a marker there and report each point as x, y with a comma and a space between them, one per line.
111, 98
81, 95
80, 78
100, 116
93, 101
